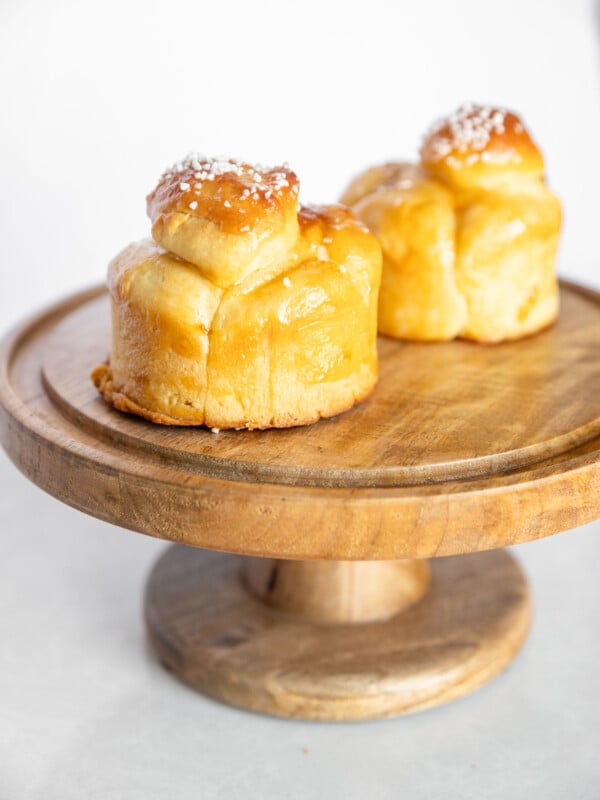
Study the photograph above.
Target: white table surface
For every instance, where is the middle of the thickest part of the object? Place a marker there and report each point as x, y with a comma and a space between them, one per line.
86, 711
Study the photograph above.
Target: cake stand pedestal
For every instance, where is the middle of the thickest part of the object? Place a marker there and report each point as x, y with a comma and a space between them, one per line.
322, 603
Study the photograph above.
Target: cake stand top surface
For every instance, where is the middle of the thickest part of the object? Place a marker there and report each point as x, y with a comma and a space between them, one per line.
460, 448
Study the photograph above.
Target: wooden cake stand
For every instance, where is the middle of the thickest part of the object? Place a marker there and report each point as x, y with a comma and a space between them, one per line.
462, 449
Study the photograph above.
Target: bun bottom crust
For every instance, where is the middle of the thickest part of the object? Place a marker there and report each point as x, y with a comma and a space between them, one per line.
341, 399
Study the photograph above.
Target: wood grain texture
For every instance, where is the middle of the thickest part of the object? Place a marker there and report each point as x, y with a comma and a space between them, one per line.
461, 448
218, 638
439, 411
338, 591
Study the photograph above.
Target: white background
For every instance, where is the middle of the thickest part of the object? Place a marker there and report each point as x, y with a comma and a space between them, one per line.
96, 99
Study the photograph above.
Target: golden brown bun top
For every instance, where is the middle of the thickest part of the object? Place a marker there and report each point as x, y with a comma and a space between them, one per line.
332, 233
236, 222
393, 175
478, 144
225, 216
234, 195
331, 220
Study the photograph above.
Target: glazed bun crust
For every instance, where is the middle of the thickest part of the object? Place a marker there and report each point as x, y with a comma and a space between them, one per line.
391, 176
162, 310
226, 217
413, 218
479, 144
301, 345
506, 249
469, 235
284, 343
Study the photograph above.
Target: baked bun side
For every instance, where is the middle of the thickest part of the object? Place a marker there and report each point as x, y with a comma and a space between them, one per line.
413, 217
302, 345
479, 145
162, 310
506, 248
225, 216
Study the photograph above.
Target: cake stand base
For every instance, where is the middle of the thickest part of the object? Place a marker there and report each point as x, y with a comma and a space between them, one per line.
216, 621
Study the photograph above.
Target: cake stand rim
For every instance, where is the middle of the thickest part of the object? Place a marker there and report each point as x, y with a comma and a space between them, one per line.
566, 491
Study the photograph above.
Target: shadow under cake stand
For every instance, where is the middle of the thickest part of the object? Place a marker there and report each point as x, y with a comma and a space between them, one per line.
337, 613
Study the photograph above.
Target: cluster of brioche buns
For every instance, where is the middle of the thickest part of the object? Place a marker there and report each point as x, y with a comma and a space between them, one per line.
245, 310
469, 234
